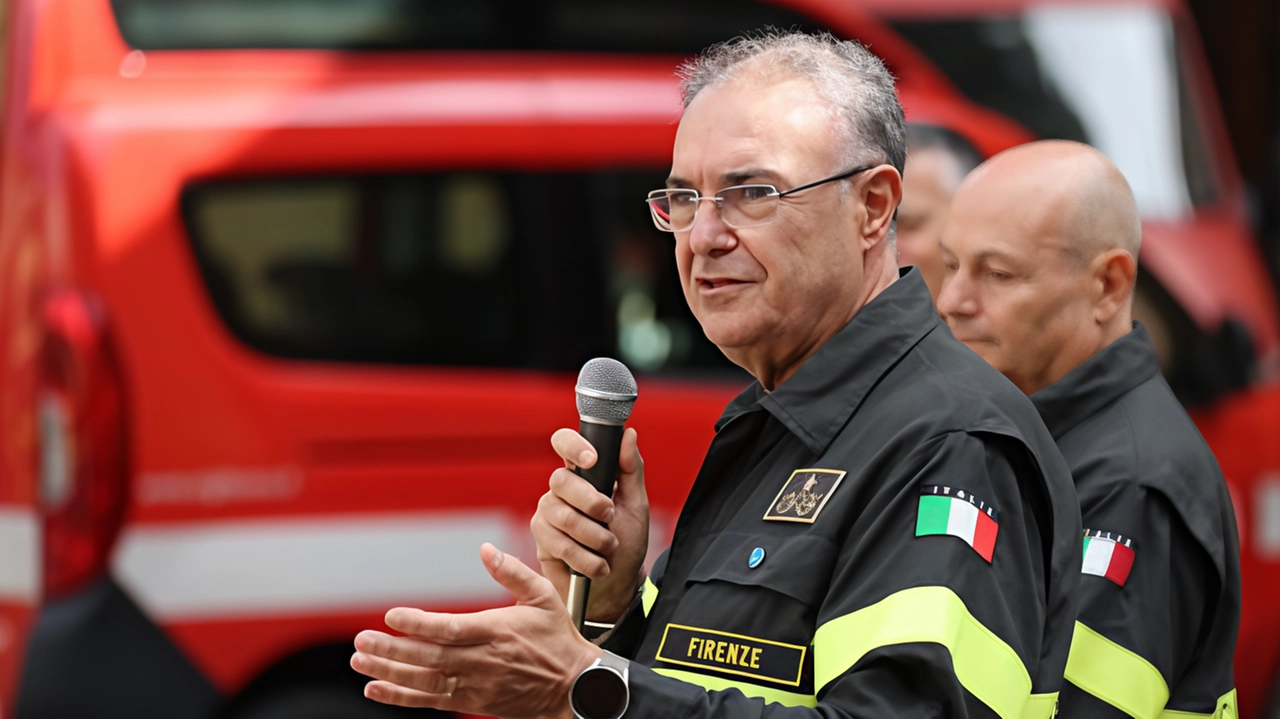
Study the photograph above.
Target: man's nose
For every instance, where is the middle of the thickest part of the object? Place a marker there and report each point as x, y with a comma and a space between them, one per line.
709, 233
955, 298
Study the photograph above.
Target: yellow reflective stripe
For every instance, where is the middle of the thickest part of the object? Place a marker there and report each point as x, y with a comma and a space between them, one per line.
710, 683
1115, 675
1041, 706
1226, 709
1170, 714
985, 665
648, 595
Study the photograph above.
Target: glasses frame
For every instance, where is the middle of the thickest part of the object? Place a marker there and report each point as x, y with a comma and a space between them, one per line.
718, 199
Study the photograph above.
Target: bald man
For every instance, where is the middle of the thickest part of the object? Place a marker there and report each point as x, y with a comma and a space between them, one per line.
1040, 251
937, 163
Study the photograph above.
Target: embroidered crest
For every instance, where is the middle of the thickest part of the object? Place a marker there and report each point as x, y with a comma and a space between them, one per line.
804, 495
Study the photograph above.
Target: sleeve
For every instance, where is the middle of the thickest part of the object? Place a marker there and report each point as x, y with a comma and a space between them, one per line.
627, 633
921, 619
1143, 606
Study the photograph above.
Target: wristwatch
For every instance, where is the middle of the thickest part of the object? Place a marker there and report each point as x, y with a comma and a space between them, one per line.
601, 690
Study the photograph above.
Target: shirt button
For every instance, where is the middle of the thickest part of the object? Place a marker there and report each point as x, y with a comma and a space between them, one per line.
757, 556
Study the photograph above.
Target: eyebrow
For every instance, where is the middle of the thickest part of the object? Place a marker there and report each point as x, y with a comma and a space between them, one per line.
995, 255
982, 256
739, 177
736, 177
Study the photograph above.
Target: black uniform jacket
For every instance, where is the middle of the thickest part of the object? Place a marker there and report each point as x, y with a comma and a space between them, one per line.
1160, 590
889, 533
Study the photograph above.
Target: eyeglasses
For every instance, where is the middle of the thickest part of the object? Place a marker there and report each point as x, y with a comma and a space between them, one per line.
741, 206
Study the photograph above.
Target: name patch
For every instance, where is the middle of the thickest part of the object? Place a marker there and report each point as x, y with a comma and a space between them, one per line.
733, 654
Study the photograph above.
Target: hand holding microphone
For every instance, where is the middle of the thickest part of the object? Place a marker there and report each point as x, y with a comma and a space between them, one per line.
578, 527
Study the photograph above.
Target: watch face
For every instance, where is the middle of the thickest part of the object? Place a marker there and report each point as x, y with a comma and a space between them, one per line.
599, 693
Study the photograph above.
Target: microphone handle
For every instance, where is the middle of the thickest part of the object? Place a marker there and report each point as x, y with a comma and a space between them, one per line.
607, 441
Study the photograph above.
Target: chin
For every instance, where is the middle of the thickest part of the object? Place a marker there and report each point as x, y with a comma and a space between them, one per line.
986, 351
728, 332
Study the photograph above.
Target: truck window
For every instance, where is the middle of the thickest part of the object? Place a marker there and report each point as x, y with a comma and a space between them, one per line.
1106, 74
475, 269
654, 26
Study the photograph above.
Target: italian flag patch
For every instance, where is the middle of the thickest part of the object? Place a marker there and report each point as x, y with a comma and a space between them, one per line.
1107, 554
946, 510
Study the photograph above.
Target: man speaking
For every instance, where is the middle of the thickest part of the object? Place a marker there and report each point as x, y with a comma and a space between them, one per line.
882, 526
1040, 253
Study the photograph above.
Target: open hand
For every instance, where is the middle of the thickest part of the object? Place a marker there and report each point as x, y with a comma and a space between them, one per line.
513, 662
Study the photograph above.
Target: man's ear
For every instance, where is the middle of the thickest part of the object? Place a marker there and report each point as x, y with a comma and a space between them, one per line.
880, 192
1115, 272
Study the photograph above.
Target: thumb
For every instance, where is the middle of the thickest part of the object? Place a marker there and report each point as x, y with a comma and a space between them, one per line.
526, 585
630, 465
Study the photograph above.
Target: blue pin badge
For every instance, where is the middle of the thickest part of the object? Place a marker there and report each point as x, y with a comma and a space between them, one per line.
757, 556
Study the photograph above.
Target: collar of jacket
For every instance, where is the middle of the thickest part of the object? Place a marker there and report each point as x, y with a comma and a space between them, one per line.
1099, 381
817, 401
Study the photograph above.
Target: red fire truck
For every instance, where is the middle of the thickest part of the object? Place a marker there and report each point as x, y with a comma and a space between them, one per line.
292, 293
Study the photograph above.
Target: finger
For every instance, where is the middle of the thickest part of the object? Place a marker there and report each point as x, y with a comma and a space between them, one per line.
629, 460
526, 585
580, 495
438, 628
555, 545
388, 693
407, 650
556, 523
422, 679
582, 529
573, 448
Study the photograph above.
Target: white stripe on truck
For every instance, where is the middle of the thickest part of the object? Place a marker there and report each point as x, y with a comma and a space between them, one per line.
254, 566
19, 555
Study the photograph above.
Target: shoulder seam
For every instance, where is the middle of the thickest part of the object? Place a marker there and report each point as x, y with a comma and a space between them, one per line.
1133, 445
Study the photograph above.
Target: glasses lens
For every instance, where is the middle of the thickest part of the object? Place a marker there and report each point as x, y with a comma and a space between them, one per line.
673, 210
749, 205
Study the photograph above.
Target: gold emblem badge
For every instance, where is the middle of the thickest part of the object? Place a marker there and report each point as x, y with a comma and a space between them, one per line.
804, 495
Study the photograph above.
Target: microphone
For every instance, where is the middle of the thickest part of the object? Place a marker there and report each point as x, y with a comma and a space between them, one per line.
605, 393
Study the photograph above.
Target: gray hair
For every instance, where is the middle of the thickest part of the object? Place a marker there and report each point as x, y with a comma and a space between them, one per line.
853, 82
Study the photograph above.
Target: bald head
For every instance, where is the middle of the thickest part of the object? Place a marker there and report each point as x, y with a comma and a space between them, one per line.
1061, 189
1041, 249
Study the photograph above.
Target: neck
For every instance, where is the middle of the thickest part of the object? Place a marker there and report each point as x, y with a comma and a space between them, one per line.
773, 371
1112, 331
1120, 325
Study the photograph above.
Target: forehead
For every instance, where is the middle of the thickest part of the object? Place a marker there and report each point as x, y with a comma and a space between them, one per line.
774, 121
933, 167
979, 230
926, 183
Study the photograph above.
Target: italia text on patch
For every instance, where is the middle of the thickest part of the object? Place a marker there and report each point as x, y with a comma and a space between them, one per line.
1107, 554
953, 511
733, 654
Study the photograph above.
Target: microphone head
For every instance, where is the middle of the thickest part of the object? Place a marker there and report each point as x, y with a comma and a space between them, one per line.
606, 391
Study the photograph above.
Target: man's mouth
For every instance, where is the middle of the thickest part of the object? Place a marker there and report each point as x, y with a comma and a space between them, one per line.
713, 283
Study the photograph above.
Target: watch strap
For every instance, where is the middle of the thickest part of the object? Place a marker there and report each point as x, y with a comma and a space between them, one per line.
618, 664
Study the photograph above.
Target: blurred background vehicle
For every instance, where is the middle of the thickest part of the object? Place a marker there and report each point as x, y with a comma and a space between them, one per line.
292, 294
